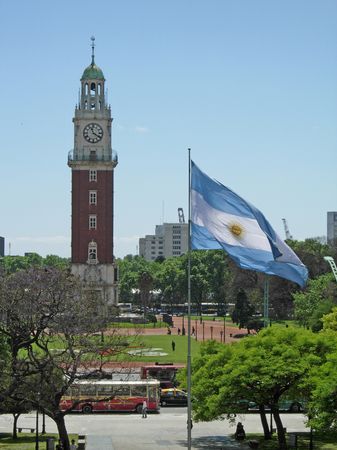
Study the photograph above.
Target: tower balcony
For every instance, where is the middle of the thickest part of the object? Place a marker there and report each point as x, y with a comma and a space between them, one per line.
83, 156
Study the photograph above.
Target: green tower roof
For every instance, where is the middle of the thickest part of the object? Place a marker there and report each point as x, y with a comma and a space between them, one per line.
92, 72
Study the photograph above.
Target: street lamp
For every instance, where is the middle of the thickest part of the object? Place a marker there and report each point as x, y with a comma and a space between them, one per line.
37, 423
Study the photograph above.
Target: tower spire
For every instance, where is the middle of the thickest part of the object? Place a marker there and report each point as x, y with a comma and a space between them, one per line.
92, 50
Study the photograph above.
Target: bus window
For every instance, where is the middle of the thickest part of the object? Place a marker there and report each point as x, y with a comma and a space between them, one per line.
104, 391
121, 391
88, 390
138, 391
74, 392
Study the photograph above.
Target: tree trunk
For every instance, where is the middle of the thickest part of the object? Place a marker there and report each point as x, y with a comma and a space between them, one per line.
264, 422
16, 417
280, 431
61, 427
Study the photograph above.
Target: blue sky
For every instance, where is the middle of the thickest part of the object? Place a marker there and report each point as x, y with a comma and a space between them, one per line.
249, 85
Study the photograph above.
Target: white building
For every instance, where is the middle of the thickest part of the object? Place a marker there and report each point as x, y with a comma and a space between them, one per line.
170, 240
332, 227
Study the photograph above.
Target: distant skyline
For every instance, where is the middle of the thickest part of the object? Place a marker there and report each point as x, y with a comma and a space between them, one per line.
249, 86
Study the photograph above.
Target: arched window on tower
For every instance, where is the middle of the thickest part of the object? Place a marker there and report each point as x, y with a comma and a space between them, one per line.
85, 105
93, 89
86, 90
99, 86
92, 253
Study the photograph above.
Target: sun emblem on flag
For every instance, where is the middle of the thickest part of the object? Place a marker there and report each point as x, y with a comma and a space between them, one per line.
236, 229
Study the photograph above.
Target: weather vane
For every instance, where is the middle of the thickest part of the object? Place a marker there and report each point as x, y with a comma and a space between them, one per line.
93, 49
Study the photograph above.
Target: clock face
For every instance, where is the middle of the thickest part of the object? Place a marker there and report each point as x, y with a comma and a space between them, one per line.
93, 133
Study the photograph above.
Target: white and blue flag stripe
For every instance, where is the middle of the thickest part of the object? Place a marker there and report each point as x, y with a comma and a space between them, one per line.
223, 220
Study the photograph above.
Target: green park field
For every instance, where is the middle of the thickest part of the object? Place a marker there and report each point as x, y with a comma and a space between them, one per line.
164, 342
26, 441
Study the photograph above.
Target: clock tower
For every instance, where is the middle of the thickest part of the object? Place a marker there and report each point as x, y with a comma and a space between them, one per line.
92, 163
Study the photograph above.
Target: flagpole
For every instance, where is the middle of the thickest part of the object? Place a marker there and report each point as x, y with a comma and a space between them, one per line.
189, 403
266, 301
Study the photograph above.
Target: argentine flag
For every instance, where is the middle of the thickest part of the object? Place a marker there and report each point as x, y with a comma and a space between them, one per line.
220, 219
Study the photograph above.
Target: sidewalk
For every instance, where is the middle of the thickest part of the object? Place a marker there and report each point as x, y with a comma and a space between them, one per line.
95, 442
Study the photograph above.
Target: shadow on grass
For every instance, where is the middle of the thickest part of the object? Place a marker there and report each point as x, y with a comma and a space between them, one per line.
216, 443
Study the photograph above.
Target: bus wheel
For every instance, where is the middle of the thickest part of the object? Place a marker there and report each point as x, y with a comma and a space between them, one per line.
87, 409
139, 409
163, 403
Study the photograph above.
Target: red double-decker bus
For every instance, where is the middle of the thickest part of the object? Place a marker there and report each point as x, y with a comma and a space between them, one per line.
89, 396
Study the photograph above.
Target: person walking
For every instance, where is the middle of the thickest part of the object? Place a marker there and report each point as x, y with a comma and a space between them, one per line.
173, 346
144, 410
73, 446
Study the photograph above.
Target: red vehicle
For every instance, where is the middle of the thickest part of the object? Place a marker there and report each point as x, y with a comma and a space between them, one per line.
164, 373
107, 395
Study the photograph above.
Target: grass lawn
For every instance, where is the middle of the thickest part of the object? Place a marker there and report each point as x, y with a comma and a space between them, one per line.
26, 441
164, 342
320, 442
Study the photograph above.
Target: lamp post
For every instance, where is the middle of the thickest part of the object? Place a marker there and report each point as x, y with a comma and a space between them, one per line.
37, 423
224, 328
43, 423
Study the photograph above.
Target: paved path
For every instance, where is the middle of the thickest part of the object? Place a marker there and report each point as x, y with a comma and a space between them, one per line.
94, 442
164, 431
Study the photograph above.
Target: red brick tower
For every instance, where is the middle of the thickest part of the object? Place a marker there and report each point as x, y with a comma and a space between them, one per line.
92, 164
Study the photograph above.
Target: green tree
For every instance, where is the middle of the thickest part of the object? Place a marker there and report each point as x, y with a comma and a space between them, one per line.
243, 310
260, 369
316, 300
172, 282
322, 406
130, 269
11, 264
145, 284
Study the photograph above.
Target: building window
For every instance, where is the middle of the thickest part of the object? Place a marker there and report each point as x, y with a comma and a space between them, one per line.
92, 197
92, 253
92, 222
92, 175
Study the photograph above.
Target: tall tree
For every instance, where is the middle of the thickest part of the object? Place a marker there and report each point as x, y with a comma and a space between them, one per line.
243, 310
260, 369
317, 300
51, 327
